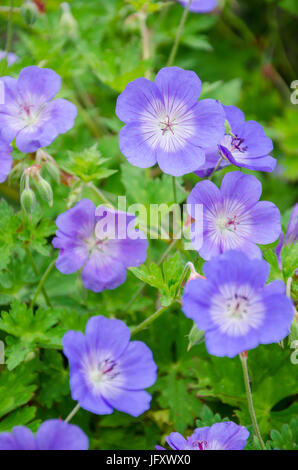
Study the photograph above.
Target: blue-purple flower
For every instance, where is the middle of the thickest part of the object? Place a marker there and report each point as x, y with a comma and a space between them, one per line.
29, 114
53, 434
219, 436
104, 256
166, 124
107, 371
5, 160
199, 6
233, 217
233, 306
9, 56
247, 147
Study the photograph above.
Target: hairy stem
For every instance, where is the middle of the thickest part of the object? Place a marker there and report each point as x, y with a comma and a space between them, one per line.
178, 35
174, 189
72, 413
215, 168
243, 358
42, 281
149, 320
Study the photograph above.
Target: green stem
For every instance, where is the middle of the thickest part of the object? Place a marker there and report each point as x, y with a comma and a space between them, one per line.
9, 28
243, 358
72, 413
178, 35
145, 39
174, 189
34, 267
42, 281
100, 194
149, 320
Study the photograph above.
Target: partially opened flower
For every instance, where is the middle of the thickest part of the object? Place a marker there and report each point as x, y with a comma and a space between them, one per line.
219, 436
233, 306
5, 160
103, 256
247, 147
53, 434
107, 371
9, 56
199, 6
233, 217
166, 124
29, 114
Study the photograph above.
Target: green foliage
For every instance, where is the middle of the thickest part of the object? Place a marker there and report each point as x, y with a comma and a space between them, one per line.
87, 165
166, 278
287, 438
243, 58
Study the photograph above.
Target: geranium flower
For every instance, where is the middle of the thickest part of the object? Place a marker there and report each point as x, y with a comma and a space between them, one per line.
248, 147
233, 217
10, 57
199, 6
53, 434
219, 436
108, 371
29, 114
233, 306
104, 257
166, 124
5, 160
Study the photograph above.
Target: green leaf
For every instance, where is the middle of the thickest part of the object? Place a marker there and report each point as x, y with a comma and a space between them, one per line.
88, 165
183, 405
16, 388
29, 331
166, 277
287, 438
20, 417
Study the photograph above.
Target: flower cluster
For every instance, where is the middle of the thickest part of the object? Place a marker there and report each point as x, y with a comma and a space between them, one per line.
219, 436
53, 434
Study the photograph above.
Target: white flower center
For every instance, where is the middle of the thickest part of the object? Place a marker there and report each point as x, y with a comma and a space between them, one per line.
237, 309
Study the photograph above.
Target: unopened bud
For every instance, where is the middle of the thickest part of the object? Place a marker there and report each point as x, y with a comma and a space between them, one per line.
28, 200
44, 190
68, 22
29, 12
53, 171
195, 337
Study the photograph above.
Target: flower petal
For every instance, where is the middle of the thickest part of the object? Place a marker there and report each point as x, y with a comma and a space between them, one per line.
35, 81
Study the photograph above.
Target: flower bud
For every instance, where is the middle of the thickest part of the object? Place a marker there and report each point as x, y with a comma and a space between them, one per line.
28, 200
44, 190
53, 170
29, 12
195, 337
